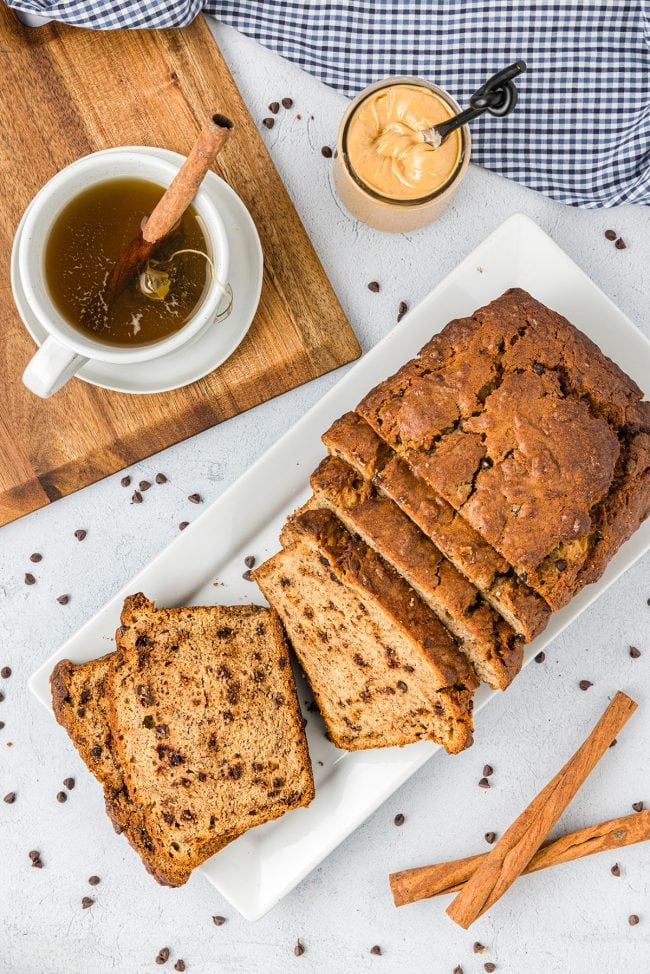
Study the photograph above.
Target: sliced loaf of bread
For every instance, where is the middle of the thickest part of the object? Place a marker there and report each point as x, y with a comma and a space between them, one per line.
206, 724
490, 644
382, 668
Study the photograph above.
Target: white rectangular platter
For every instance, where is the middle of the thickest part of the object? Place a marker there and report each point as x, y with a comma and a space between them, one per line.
261, 867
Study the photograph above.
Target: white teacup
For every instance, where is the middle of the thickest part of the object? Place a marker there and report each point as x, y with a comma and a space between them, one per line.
66, 350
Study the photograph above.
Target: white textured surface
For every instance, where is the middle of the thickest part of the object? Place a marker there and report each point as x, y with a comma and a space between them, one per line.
568, 920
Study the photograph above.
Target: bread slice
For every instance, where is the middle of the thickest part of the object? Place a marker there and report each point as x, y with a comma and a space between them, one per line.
79, 699
490, 644
352, 439
382, 668
206, 725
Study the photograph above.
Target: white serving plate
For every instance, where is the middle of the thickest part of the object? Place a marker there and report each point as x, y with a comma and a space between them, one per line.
261, 867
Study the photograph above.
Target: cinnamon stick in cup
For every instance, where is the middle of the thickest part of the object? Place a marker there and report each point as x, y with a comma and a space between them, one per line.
411, 885
171, 207
516, 848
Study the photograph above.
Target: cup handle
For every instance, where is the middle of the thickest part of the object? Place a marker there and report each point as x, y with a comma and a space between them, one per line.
51, 368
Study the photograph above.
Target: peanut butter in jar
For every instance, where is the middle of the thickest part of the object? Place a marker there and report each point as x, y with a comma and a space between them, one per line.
385, 174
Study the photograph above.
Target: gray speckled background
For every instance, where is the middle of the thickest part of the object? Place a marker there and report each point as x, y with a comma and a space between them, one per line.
569, 920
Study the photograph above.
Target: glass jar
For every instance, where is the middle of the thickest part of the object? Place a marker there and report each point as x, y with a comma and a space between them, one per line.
388, 212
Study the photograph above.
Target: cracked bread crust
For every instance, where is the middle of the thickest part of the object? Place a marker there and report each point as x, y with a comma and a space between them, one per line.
484, 636
478, 561
524, 426
369, 671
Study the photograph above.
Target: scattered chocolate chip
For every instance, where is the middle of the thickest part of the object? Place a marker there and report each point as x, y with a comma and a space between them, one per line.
634, 652
179, 965
29, 579
374, 287
86, 902
163, 956
615, 870
489, 967
490, 837
5, 672
94, 880
194, 498
620, 244
287, 102
401, 311
80, 534
376, 950
611, 234
183, 525
218, 921
63, 599
136, 497
561, 564
458, 969
69, 783
585, 684
633, 920
274, 107
487, 770
326, 151
541, 656
36, 557
249, 561
484, 783
10, 797
144, 485
399, 819
125, 481
614, 742
247, 576
34, 855
269, 122
2, 723
61, 797
298, 949
160, 478
478, 947
637, 806
37, 863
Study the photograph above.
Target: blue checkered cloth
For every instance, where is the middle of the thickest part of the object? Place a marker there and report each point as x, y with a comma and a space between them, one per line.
581, 131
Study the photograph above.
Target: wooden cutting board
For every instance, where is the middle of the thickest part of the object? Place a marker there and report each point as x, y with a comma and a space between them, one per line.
66, 92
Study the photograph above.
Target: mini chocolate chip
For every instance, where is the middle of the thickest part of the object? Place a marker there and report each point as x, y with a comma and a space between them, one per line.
458, 969
620, 244
125, 481
611, 234
35, 557
247, 576
614, 742
144, 485
2, 723
29, 579
249, 561
37, 863
376, 950
538, 368
163, 956
69, 783
490, 837
326, 151
633, 920
615, 870
634, 652
269, 122
399, 819
80, 534
61, 797
96, 751
10, 797
194, 498
489, 967
63, 599
2, 696
585, 684
183, 525
160, 478
218, 921
478, 947
287, 102
274, 107
136, 497
403, 308
541, 656
5, 672
484, 783
561, 564
94, 880
637, 806
34, 855
487, 770
374, 287
402, 686
179, 965
86, 902
298, 949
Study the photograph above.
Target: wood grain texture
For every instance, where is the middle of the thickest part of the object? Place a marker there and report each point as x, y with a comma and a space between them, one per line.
67, 92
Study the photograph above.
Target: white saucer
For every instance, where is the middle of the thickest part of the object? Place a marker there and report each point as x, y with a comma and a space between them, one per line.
213, 345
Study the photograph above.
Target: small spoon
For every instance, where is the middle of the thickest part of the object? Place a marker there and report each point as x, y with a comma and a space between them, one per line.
498, 96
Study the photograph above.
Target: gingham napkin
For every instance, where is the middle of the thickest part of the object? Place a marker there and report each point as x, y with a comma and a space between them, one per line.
581, 131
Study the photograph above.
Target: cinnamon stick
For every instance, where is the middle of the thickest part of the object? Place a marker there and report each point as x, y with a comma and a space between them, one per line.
171, 207
510, 856
411, 885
